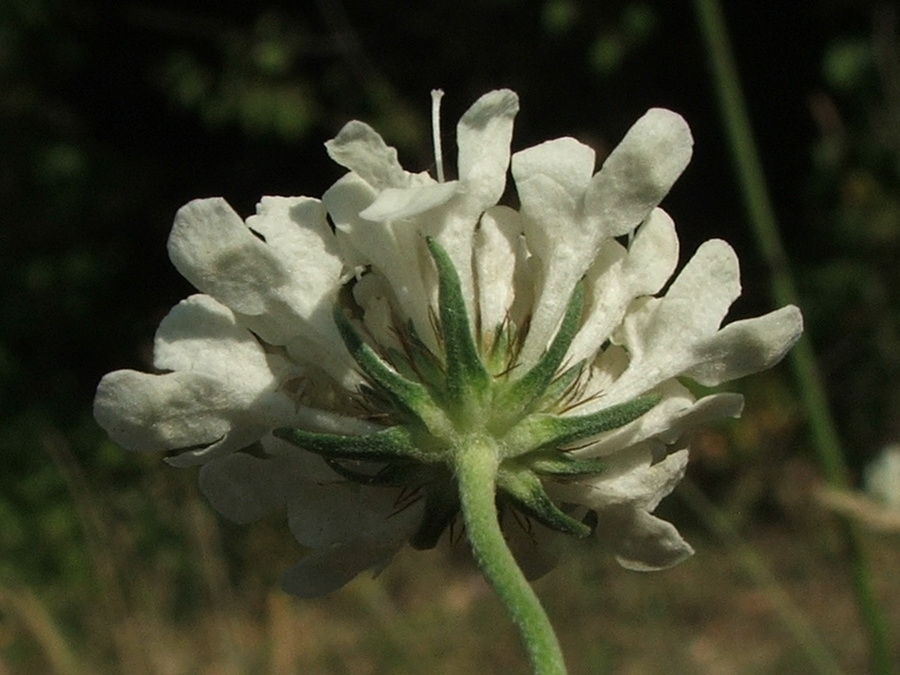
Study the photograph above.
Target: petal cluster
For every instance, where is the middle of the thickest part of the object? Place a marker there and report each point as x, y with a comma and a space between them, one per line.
313, 313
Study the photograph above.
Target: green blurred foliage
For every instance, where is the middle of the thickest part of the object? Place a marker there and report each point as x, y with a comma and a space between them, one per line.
855, 199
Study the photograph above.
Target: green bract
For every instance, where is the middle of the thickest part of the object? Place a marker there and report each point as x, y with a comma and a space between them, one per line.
435, 415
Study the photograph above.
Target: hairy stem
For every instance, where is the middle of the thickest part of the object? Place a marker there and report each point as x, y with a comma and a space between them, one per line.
477, 459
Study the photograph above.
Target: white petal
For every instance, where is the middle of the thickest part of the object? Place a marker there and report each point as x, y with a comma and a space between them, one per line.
298, 235
633, 179
483, 136
190, 412
213, 249
400, 203
346, 198
641, 541
664, 336
496, 248
323, 515
710, 282
344, 201
617, 277
283, 287
147, 413
392, 249
326, 570
551, 179
630, 479
374, 539
638, 173
203, 336
667, 421
244, 488
297, 230
361, 149
652, 255
746, 347
222, 396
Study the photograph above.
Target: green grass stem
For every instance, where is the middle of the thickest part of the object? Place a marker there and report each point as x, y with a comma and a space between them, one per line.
826, 441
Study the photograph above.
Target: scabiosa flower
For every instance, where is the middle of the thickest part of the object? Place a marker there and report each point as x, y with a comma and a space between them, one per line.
407, 349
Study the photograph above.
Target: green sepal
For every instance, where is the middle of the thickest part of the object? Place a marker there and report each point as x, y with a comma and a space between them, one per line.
441, 509
560, 464
544, 431
466, 374
525, 490
401, 364
382, 446
522, 392
406, 394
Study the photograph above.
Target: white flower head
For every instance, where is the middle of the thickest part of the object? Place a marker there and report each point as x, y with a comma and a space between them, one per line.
344, 354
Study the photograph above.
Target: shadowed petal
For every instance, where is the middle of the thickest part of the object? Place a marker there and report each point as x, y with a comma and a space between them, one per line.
618, 276
244, 488
213, 249
641, 541
496, 248
201, 335
401, 203
362, 150
331, 513
183, 411
374, 542
326, 570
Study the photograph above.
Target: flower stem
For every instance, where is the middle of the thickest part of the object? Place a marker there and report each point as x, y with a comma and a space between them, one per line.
826, 441
477, 460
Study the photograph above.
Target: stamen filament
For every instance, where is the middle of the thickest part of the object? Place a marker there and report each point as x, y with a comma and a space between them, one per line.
436, 96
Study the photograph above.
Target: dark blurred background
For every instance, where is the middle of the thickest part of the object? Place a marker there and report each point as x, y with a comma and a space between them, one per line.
114, 114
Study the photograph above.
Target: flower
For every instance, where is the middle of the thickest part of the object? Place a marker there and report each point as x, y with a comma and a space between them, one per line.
882, 477
346, 356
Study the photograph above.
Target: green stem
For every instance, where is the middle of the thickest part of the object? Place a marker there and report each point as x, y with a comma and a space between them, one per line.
477, 460
824, 433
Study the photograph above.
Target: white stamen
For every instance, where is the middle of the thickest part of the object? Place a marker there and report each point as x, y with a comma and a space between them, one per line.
436, 96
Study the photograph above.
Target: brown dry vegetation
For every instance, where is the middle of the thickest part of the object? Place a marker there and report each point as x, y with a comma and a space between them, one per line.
432, 613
